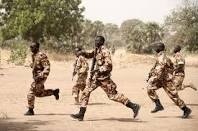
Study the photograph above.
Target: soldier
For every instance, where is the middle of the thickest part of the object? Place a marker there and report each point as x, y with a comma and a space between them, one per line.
179, 70
81, 68
161, 76
40, 70
102, 77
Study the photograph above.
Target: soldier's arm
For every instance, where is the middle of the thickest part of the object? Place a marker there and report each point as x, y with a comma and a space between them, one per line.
46, 66
151, 72
152, 69
160, 69
179, 64
32, 63
78, 64
107, 65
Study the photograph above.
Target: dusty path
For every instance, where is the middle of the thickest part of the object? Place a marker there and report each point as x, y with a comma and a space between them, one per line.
102, 114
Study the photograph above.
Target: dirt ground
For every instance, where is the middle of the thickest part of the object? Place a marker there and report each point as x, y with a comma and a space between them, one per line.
102, 114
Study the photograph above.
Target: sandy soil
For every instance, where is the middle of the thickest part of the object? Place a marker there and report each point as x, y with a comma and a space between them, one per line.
102, 114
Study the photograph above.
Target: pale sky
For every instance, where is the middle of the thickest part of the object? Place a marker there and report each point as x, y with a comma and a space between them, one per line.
116, 11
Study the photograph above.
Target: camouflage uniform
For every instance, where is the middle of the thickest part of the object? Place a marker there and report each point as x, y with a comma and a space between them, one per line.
102, 78
179, 74
40, 70
162, 77
81, 67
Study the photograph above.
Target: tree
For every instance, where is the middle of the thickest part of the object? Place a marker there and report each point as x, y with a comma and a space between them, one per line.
182, 25
41, 19
112, 35
154, 32
89, 31
139, 35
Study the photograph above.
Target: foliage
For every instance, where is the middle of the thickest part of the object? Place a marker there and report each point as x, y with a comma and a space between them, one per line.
41, 19
60, 26
18, 53
139, 35
182, 26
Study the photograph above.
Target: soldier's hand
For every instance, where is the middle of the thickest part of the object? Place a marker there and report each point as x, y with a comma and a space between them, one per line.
36, 79
74, 73
31, 65
39, 76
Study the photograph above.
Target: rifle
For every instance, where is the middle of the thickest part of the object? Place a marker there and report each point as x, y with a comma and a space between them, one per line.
93, 66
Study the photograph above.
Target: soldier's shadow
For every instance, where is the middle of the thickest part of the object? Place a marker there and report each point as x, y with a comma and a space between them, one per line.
190, 117
92, 104
30, 125
192, 104
53, 114
95, 104
118, 119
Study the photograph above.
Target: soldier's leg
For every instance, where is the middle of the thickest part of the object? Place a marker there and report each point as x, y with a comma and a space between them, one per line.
151, 91
173, 94
177, 82
82, 82
85, 99
75, 93
42, 92
31, 99
190, 85
83, 86
80, 86
87, 91
110, 89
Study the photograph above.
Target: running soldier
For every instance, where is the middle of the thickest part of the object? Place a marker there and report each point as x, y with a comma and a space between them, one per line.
81, 68
40, 70
161, 76
179, 70
101, 76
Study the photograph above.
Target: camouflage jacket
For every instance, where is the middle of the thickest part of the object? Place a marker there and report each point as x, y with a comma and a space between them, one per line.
40, 66
81, 65
103, 62
163, 68
179, 64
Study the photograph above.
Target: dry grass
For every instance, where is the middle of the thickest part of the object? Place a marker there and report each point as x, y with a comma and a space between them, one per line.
60, 57
121, 58
124, 59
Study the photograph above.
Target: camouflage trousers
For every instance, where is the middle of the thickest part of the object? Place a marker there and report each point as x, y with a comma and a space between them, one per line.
178, 81
80, 85
168, 88
109, 88
37, 89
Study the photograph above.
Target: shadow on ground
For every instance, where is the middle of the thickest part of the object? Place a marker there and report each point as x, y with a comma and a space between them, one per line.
119, 119
192, 104
10, 125
190, 117
92, 104
52, 114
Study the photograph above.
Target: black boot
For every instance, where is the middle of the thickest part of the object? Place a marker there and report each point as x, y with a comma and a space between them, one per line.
30, 112
187, 112
56, 94
134, 107
158, 106
80, 115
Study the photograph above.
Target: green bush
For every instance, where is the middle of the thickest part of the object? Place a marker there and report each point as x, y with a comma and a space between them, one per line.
18, 54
